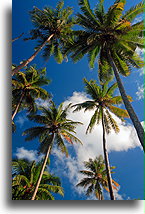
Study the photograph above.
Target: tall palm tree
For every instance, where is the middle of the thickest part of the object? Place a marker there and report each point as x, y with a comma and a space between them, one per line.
27, 87
96, 177
54, 130
112, 37
52, 28
25, 175
103, 103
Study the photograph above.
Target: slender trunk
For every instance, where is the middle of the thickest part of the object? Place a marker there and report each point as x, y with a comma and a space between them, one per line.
42, 169
26, 62
18, 106
13, 40
112, 197
128, 106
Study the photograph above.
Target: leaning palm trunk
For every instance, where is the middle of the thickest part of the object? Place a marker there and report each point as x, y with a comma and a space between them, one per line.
129, 108
107, 163
18, 106
13, 40
26, 62
43, 168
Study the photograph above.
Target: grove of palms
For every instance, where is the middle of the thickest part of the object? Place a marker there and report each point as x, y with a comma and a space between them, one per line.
110, 39
103, 103
55, 130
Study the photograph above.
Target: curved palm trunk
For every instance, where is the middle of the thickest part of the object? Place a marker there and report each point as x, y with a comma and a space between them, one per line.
107, 162
42, 169
26, 62
13, 40
18, 106
128, 106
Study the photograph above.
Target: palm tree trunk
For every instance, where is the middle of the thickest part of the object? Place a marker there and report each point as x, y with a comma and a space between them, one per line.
26, 62
18, 106
128, 106
42, 169
13, 40
112, 197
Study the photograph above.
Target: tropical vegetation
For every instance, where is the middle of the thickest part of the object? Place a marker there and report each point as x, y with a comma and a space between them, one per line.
55, 130
95, 180
103, 103
52, 30
110, 38
24, 178
26, 88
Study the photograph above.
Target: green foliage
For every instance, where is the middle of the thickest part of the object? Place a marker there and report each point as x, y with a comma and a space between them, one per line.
95, 179
24, 178
54, 122
102, 103
28, 86
57, 22
105, 32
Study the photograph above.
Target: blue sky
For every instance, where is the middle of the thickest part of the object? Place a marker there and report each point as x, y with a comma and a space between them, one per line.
67, 79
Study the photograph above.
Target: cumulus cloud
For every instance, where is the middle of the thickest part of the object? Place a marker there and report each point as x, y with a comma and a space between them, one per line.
92, 143
139, 51
140, 92
30, 155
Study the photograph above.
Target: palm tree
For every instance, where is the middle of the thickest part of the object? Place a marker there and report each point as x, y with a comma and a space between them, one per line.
112, 37
27, 87
103, 103
96, 177
52, 27
56, 128
25, 175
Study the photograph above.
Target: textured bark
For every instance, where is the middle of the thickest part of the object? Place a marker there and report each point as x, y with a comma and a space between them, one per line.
42, 169
26, 62
128, 106
18, 106
112, 197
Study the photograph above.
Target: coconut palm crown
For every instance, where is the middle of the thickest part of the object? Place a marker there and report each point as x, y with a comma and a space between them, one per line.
52, 29
104, 104
27, 87
25, 175
111, 32
95, 179
55, 123
112, 39
55, 130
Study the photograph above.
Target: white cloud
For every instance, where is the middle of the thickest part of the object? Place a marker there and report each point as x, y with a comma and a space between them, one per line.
20, 120
140, 92
139, 51
92, 143
137, 19
40, 102
30, 155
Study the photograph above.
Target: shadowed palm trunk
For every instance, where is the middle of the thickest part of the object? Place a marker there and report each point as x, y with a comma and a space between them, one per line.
43, 168
107, 162
18, 106
128, 106
26, 62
